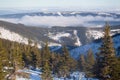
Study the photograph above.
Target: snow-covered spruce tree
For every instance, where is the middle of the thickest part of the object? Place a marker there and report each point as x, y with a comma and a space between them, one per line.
106, 58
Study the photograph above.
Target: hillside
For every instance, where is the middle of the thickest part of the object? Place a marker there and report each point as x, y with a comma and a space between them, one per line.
57, 36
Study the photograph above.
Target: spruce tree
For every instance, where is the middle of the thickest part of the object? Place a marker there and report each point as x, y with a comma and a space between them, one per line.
56, 62
45, 54
67, 64
38, 55
106, 57
25, 54
115, 74
17, 57
46, 74
3, 60
71, 63
33, 60
53, 62
28, 50
82, 63
90, 62
90, 58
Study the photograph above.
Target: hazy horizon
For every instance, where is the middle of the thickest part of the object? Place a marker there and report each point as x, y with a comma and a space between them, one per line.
102, 10
63, 4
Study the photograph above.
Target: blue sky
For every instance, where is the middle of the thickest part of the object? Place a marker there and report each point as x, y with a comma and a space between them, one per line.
83, 4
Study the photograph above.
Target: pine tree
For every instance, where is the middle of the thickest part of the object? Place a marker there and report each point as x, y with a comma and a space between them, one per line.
67, 64
25, 54
82, 63
53, 62
17, 57
71, 63
46, 74
3, 60
38, 55
106, 58
115, 73
90, 58
28, 50
33, 59
45, 54
90, 62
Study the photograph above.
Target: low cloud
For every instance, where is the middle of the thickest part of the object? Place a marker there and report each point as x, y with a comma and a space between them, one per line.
60, 20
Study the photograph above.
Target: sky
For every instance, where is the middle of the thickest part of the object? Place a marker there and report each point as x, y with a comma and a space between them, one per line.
82, 4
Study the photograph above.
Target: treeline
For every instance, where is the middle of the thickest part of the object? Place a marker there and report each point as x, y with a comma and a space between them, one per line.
105, 65
15, 56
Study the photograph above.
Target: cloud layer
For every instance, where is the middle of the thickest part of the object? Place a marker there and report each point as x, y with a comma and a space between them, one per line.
61, 20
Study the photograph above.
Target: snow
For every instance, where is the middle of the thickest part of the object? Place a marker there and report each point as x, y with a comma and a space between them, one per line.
94, 34
58, 35
104, 13
53, 44
75, 75
116, 30
59, 13
55, 48
36, 75
77, 43
73, 13
21, 78
113, 32
75, 53
12, 36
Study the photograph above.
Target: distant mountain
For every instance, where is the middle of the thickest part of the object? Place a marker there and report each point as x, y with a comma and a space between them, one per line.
63, 18
63, 13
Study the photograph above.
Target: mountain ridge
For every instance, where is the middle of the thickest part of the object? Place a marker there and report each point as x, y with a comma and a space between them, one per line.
69, 36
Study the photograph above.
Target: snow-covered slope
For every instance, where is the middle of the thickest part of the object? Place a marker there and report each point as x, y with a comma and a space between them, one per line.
94, 34
58, 35
77, 42
61, 36
12, 36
